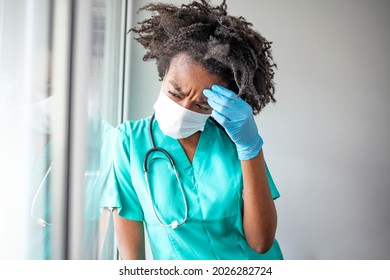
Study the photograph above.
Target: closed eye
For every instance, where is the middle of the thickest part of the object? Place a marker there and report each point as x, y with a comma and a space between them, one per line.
203, 108
175, 95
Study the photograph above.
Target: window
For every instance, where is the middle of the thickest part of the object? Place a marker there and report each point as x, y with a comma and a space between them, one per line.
61, 93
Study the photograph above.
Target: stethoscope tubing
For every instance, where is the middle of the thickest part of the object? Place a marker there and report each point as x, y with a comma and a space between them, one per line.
175, 223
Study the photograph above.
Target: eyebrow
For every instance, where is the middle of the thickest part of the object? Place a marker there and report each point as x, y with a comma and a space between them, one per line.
178, 88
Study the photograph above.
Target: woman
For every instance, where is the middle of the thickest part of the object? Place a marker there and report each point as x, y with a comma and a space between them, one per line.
216, 74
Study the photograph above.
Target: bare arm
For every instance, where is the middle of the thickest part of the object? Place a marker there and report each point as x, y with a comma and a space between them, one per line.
130, 236
259, 218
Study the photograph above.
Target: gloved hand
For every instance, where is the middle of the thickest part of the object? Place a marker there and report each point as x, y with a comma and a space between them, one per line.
236, 116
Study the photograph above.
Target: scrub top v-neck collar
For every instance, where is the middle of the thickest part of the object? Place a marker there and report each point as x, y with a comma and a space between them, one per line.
181, 159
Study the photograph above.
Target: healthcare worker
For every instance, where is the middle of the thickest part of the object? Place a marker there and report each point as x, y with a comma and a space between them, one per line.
193, 174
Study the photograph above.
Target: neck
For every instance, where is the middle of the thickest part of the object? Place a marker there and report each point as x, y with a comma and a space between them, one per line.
189, 145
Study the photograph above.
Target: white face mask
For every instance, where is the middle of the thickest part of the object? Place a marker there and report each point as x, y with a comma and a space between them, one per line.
175, 120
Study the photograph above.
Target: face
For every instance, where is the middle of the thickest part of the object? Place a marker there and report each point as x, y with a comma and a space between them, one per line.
185, 81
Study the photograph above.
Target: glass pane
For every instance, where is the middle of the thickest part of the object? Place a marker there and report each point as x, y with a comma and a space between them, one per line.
26, 103
104, 111
26, 114
112, 110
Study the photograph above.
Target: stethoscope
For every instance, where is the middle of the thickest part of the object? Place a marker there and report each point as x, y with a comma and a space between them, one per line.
41, 221
175, 223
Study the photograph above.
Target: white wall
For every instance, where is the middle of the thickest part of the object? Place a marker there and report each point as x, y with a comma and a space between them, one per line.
327, 139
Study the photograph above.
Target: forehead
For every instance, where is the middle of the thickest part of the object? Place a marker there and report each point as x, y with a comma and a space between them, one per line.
190, 74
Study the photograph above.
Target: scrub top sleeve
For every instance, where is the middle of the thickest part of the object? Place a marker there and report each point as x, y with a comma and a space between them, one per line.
274, 191
107, 182
119, 191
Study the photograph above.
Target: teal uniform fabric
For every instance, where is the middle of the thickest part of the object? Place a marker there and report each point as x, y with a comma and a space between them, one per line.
212, 185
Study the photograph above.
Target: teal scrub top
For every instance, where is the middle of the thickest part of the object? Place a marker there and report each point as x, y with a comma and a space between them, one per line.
212, 184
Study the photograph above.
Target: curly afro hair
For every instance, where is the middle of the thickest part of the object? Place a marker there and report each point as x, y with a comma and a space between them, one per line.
225, 45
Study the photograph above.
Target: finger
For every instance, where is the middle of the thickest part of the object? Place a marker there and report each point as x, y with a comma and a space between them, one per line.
225, 92
233, 105
208, 93
220, 109
218, 98
221, 119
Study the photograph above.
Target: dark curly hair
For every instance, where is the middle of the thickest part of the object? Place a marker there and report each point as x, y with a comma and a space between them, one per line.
225, 45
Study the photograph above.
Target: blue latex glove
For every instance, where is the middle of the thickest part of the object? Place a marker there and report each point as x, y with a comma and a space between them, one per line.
236, 116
